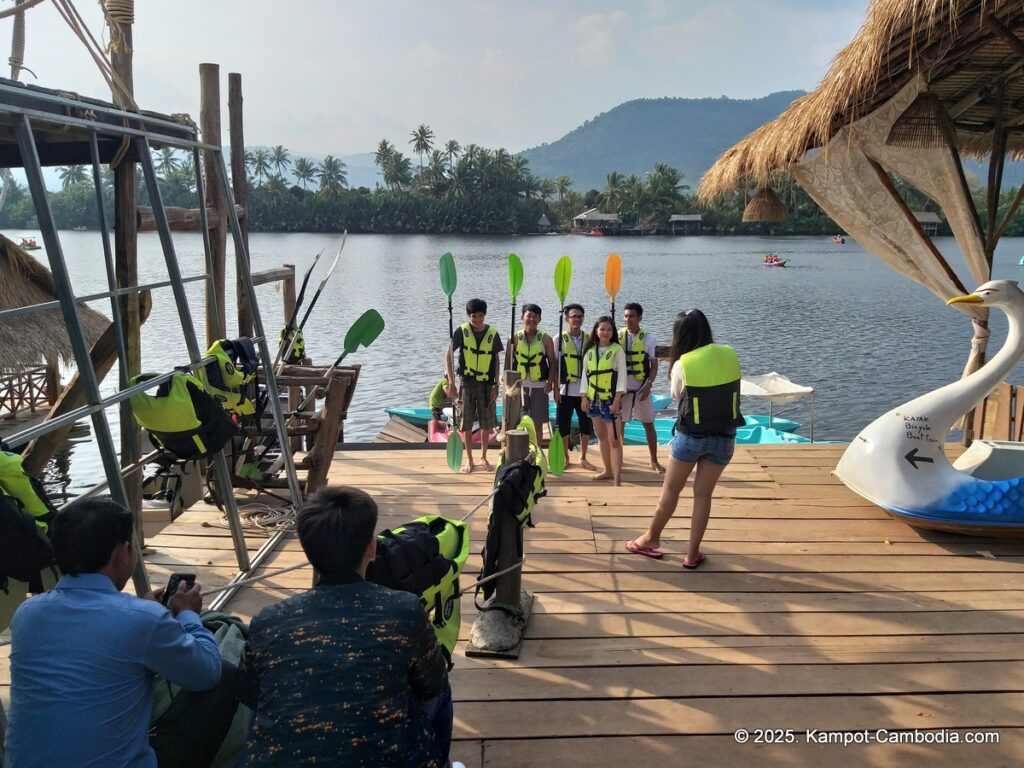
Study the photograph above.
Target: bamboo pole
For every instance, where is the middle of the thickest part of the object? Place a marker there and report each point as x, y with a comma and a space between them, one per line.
209, 127
240, 187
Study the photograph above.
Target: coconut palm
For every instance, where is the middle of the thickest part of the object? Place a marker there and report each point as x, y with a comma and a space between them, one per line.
452, 150
397, 172
72, 174
280, 158
562, 185
260, 164
422, 140
384, 152
332, 175
612, 195
166, 162
305, 171
547, 189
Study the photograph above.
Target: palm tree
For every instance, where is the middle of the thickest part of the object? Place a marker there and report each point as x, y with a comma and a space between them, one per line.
612, 194
333, 178
166, 162
397, 172
72, 174
384, 152
280, 158
435, 176
562, 185
547, 189
260, 164
451, 150
305, 171
422, 141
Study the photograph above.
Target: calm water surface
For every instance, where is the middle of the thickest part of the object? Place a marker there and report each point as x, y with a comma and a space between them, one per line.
835, 319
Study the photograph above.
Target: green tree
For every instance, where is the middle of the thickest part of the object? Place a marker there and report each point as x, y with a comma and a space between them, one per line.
166, 162
72, 174
397, 172
422, 140
333, 177
451, 151
305, 171
280, 158
260, 162
611, 198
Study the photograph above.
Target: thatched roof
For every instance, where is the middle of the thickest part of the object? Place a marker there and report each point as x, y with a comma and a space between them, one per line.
29, 339
962, 47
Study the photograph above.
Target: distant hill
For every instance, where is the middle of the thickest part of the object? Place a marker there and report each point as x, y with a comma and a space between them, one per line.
687, 134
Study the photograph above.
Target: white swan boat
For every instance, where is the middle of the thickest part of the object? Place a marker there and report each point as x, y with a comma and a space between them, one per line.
898, 462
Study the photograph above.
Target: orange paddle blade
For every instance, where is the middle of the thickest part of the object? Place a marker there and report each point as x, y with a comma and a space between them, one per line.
613, 275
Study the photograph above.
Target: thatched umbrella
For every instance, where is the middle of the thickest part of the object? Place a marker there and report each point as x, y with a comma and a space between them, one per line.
40, 336
923, 83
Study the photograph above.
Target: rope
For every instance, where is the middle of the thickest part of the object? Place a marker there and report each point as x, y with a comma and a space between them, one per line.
120, 11
17, 57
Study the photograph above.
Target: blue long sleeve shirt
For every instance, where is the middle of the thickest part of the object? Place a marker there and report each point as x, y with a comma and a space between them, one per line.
83, 659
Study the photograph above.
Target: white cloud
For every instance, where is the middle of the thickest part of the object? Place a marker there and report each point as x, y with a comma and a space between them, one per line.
597, 35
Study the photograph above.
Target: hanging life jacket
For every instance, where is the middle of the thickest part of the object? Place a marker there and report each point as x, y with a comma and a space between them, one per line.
181, 417
426, 557
602, 374
25, 516
298, 353
571, 360
235, 366
531, 361
476, 362
638, 362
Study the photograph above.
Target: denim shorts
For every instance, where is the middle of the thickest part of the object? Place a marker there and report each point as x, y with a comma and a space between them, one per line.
690, 449
601, 409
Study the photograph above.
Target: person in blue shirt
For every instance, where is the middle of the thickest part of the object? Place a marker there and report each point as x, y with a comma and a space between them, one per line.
84, 656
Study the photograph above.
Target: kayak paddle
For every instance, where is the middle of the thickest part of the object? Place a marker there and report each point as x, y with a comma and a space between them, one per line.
289, 327
613, 278
556, 446
515, 283
363, 333
316, 296
449, 280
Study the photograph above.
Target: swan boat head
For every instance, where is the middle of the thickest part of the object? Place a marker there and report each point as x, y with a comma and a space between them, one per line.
898, 461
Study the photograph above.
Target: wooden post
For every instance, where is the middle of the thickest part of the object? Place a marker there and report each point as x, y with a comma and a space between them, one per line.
322, 453
126, 269
241, 190
509, 587
209, 127
294, 393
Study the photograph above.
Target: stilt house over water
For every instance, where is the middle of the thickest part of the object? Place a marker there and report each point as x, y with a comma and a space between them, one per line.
923, 84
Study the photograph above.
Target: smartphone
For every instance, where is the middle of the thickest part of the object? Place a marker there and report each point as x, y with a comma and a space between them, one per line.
174, 581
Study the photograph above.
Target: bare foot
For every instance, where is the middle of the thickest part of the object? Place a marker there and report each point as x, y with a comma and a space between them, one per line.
587, 465
657, 467
486, 465
603, 476
467, 468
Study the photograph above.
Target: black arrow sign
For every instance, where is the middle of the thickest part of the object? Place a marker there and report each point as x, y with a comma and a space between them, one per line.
913, 458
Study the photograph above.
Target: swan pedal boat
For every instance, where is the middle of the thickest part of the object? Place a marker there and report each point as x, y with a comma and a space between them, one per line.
898, 461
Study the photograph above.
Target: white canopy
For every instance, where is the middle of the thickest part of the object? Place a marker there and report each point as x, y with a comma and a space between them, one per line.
774, 387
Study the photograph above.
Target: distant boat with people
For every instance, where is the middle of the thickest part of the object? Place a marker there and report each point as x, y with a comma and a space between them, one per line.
838, 239
773, 260
28, 244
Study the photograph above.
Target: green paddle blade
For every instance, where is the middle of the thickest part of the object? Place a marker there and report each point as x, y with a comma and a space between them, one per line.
364, 331
556, 454
454, 451
448, 277
563, 276
515, 276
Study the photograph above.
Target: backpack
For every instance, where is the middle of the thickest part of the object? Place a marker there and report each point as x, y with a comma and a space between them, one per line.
25, 515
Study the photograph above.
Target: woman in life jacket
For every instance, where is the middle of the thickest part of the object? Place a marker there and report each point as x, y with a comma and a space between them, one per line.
706, 379
601, 390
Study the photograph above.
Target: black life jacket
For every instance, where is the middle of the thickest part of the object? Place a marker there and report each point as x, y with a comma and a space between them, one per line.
25, 516
181, 417
235, 366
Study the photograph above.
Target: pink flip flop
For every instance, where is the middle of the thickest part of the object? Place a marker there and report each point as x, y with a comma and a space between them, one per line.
695, 564
636, 549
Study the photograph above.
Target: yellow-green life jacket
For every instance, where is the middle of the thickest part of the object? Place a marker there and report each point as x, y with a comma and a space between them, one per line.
571, 360
602, 376
710, 403
234, 367
426, 557
477, 362
181, 417
298, 353
28, 492
531, 361
638, 363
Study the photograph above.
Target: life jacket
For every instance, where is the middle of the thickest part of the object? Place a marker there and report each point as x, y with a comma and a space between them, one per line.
477, 362
531, 361
710, 403
182, 418
426, 557
638, 362
235, 366
298, 353
602, 375
25, 516
571, 361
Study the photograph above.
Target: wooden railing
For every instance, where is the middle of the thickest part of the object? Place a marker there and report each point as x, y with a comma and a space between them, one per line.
28, 389
1001, 414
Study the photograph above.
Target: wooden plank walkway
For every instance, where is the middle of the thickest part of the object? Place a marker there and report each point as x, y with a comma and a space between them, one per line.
814, 611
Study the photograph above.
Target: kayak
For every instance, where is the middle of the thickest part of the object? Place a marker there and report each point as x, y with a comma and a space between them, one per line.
774, 263
420, 417
438, 432
784, 425
634, 434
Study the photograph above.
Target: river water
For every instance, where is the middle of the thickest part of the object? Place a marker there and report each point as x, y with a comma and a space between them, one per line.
835, 318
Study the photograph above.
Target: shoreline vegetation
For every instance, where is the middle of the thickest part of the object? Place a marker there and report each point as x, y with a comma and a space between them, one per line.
450, 189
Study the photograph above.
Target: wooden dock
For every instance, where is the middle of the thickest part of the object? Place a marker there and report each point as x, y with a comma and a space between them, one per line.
815, 611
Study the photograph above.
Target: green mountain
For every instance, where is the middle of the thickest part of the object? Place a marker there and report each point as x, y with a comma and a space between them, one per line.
687, 134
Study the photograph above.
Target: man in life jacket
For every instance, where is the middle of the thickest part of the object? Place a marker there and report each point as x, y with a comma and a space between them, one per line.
570, 363
641, 369
479, 349
533, 357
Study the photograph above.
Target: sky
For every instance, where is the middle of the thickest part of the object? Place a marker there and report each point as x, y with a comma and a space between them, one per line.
337, 76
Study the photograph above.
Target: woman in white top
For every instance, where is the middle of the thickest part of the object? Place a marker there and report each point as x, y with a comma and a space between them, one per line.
601, 390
